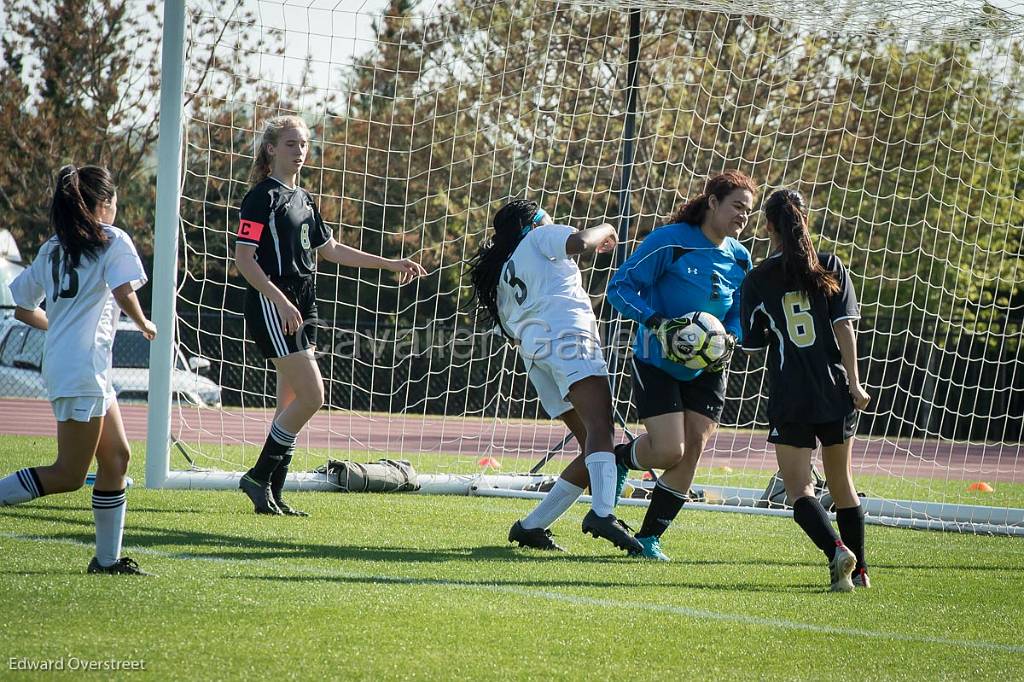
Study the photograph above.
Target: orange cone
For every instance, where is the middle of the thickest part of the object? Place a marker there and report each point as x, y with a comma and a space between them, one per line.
489, 462
979, 487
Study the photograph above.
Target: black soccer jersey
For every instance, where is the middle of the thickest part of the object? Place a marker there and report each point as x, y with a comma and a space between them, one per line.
285, 226
807, 381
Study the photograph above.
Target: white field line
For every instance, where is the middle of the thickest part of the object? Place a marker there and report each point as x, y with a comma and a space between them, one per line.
562, 597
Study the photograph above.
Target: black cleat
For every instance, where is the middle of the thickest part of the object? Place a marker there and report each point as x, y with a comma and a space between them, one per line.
123, 566
259, 493
287, 509
534, 538
613, 530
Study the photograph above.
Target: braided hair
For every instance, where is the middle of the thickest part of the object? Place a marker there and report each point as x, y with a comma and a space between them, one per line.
485, 267
786, 210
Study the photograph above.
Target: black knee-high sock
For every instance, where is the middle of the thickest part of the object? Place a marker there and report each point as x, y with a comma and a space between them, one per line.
665, 505
812, 517
851, 529
279, 443
280, 473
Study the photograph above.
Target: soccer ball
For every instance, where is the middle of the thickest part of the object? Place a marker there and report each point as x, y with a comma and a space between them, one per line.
698, 343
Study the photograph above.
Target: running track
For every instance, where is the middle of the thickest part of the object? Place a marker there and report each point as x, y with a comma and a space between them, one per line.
518, 444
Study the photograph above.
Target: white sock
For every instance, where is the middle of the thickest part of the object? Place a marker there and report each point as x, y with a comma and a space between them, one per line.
554, 504
21, 486
108, 508
601, 466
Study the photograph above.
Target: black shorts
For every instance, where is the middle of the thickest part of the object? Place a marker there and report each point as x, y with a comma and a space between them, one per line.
804, 435
656, 392
264, 324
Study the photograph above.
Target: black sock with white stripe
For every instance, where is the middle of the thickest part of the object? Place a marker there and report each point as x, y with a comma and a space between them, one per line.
279, 443
665, 505
21, 486
108, 509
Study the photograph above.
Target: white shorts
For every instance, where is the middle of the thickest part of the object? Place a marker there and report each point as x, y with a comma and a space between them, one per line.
81, 409
554, 370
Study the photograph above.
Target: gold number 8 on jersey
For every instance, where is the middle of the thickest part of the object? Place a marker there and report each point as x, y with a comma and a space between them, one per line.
799, 321
304, 236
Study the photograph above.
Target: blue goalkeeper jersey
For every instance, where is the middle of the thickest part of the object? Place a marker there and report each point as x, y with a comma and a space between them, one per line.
677, 270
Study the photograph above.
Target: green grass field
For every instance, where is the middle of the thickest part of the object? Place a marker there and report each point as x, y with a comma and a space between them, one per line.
407, 586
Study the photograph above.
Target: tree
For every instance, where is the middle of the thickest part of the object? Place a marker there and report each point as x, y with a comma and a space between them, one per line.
80, 86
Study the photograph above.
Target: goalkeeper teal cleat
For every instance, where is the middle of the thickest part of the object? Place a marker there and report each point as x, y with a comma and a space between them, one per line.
621, 476
652, 548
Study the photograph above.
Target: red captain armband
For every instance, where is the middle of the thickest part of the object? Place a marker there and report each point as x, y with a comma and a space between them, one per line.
250, 229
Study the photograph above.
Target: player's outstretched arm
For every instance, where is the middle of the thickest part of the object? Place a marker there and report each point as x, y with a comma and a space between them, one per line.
600, 239
33, 318
846, 336
341, 254
129, 303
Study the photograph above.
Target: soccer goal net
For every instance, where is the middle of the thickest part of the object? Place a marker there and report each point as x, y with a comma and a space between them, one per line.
902, 122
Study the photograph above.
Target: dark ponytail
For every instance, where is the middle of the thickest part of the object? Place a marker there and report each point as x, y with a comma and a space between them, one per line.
73, 210
787, 212
485, 267
720, 186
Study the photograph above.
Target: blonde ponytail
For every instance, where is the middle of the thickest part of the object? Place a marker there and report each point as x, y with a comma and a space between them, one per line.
262, 164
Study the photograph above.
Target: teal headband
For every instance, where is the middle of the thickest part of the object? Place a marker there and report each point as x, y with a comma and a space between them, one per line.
534, 221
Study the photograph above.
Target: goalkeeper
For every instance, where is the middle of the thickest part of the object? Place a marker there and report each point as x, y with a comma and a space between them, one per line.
692, 264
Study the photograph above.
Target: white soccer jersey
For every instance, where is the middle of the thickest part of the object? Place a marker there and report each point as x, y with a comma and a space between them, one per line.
540, 292
81, 311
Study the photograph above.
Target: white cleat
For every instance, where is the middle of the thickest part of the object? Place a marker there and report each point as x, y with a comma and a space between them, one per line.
841, 567
861, 580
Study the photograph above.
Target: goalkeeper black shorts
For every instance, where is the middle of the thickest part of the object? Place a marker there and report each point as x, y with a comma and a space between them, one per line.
263, 324
656, 392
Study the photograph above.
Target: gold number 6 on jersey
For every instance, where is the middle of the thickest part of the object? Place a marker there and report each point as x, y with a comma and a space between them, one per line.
799, 321
304, 236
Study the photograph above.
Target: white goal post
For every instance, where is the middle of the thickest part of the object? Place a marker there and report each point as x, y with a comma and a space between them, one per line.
900, 121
